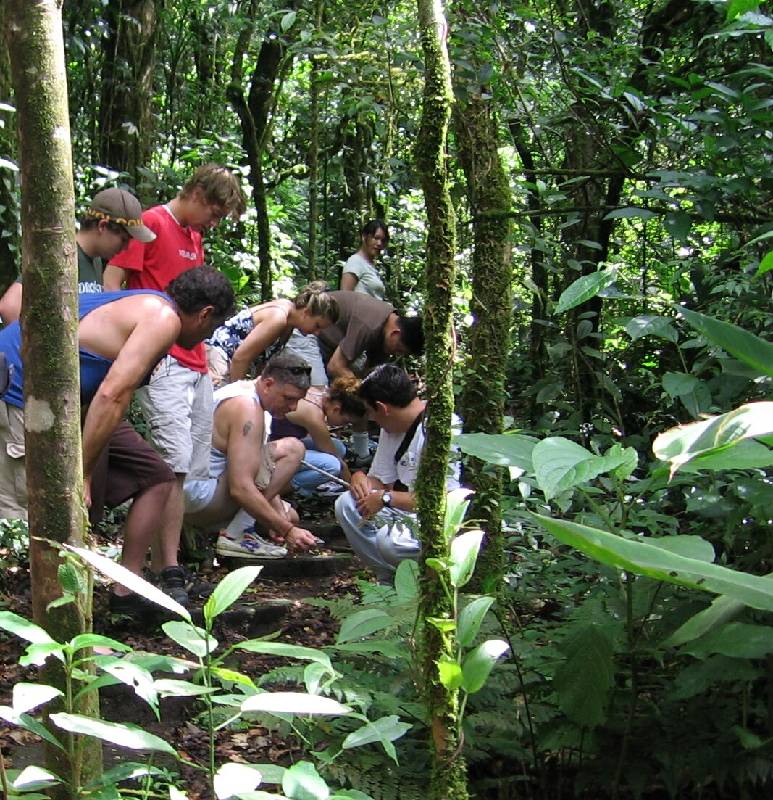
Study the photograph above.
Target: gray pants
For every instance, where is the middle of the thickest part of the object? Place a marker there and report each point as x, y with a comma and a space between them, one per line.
382, 543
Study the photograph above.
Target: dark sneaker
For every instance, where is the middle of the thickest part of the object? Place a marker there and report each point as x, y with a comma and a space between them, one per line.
132, 605
171, 581
196, 587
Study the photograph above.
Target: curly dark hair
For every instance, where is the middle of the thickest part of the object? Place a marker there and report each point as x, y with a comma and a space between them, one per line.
196, 288
388, 384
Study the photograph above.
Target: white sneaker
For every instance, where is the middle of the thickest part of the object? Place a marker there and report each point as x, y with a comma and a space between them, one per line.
249, 546
329, 489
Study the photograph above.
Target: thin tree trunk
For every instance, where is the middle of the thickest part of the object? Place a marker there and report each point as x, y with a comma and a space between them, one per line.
448, 779
313, 157
49, 327
483, 397
9, 215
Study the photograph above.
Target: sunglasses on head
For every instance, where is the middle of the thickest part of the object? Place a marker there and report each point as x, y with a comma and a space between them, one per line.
299, 370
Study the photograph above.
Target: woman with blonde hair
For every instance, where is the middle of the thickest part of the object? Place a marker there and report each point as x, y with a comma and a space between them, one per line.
248, 339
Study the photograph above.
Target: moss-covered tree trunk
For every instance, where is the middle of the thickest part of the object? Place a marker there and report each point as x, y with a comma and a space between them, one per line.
489, 199
49, 326
448, 779
9, 221
313, 156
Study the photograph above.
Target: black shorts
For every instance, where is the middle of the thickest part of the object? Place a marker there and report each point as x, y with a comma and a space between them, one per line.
126, 467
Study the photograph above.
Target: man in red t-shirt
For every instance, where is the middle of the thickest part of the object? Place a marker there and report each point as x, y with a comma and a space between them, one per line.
177, 402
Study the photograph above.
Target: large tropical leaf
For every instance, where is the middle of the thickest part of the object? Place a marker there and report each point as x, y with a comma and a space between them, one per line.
585, 288
502, 449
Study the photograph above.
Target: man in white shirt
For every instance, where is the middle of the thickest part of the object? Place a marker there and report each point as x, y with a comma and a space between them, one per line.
377, 513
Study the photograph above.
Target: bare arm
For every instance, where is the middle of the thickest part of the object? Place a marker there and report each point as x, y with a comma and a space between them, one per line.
266, 332
10, 303
153, 334
113, 278
349, 281
338, 366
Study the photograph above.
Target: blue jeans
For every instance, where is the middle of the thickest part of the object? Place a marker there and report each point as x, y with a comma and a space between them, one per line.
305, 480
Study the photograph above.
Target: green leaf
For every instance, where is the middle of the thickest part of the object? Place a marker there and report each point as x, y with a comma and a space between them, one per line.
502, 449
189, 636
464, 553
384, 730
707, 437
363, 623
479, 662
737, 640
584, 681
123, 772
585, 288
648, 325
385, 647
471, 619
228, 591
722, 610
635, 555
745, 346
33, 778
303, 782
678, 224
27, 696
271, 773
122, 734
765, 265
70, 578
737, 7
232, 778
168, 687
686, 545
630, 212
286, 650
677, 384
407, 580
288, 20
294, 703
450, 674
24, 629
456, 508
84, 640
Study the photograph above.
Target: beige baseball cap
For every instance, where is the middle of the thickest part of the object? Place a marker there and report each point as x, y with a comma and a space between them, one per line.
123, 208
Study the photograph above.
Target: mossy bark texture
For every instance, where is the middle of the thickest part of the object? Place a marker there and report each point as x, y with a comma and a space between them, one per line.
49, 318
9, 241
448, 778
488, 195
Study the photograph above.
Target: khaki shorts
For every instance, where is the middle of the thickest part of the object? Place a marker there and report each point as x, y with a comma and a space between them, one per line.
13, 471
218, 366
177, 405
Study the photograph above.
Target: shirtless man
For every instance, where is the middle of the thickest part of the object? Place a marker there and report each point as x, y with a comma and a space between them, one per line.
247, 472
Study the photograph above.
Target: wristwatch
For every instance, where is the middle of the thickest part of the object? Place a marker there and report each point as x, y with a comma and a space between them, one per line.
386, 499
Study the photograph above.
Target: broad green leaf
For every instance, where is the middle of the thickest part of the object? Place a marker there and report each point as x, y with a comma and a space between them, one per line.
293, 703
630, 212
30, 724
737, 7
228, 591
456, 508
479, 662
190, 637
286, 650
288, 20
137, 678
270, 773
647, 325
737, 640
471, 618
122, 734
84, 640
303, 782
677, 384
464, 553
32, 778
585, 288
502, 449
121, 575
384, 731
314, 674
686, 545
232, 778
722, 610
638, 556
27, 696
71, 578
168, 687
36, 654
766, 264
748, 454
385, 647
745, 346
442, 624
122, 772
24, 629
583, 682
686, 443
560, 464
449, 674
678, 224
363, 623
224, 674
407, 580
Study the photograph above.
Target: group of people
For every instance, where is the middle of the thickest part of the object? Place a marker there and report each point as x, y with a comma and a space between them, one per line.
225, 447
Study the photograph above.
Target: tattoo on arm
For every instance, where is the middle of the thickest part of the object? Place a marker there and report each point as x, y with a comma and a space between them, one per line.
246, 429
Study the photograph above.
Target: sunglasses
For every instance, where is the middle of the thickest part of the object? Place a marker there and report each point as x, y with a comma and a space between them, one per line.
299, 370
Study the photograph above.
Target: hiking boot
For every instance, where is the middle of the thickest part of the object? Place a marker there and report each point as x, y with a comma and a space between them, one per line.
171, 581
249, 546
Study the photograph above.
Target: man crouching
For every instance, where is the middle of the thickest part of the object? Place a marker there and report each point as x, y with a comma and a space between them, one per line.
247, 473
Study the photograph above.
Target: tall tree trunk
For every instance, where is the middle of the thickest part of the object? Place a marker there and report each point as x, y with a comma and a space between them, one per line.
313, 157
448, 780
125, 118
9, 213
483, 398
49, 327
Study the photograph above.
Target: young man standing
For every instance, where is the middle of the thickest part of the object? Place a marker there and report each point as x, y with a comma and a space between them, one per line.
177, 402
370, 512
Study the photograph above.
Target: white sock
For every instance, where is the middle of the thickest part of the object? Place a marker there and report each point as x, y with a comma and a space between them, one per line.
360, 444
239, 524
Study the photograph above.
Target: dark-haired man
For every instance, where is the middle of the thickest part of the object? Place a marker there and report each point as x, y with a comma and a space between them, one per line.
378, 535
247, 472
121, 335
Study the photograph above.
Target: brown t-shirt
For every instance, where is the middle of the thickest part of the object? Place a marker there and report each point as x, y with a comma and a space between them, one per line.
359, 328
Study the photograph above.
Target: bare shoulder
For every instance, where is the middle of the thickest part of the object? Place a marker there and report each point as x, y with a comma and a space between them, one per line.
239, 415
275, 311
